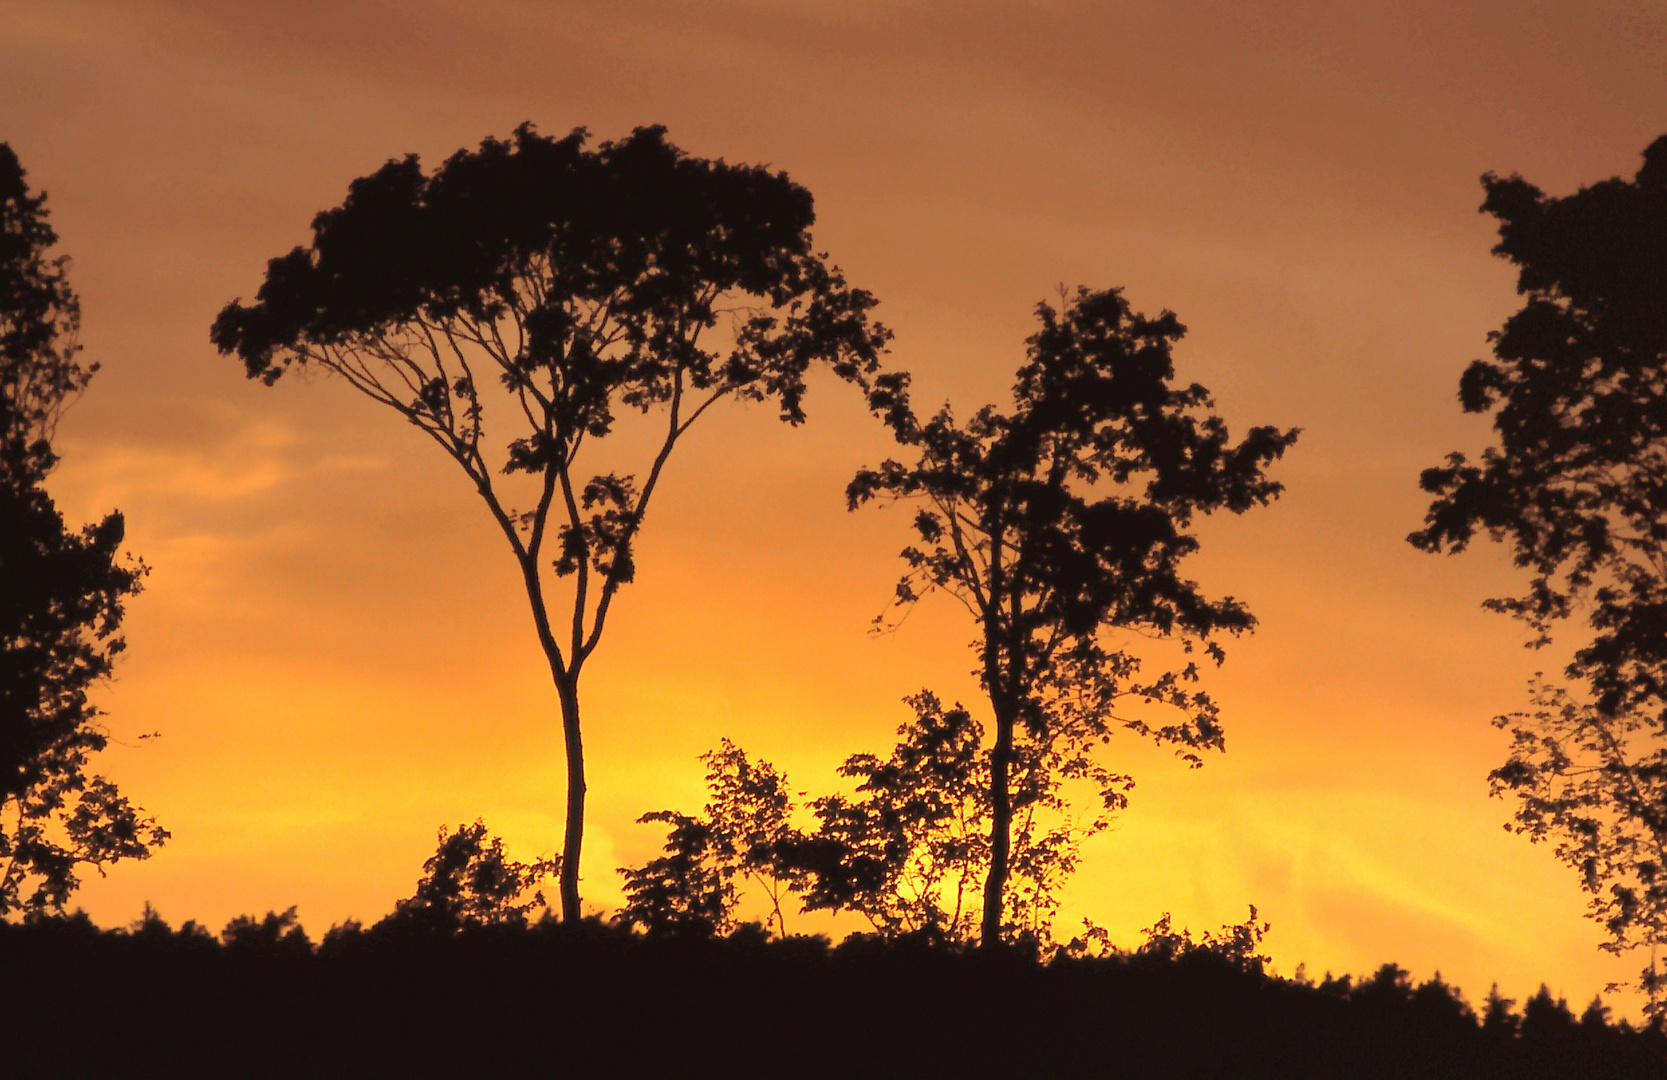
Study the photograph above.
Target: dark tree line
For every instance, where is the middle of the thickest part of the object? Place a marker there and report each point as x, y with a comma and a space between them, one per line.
503, 998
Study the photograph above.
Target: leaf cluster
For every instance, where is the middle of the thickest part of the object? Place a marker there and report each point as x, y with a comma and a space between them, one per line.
609, 259
1595, 787
40, 318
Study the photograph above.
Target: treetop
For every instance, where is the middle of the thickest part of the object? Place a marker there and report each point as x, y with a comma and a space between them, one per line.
552, 232
1080, 495
1578, 479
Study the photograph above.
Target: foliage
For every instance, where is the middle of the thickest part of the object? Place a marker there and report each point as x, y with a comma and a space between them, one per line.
1577, 487
278, 932
561, 288
749, 808
692, 890
1595, 786
471, 882
150, 926
687, 892
40, 318
911, 849
1065, 522
1580, 408
908, 850
1236, 944
61, 591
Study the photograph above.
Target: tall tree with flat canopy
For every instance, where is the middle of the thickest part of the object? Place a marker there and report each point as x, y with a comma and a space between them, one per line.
1577, 487
562, 286
1061, 527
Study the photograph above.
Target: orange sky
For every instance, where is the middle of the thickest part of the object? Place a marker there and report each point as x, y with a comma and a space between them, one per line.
332, 642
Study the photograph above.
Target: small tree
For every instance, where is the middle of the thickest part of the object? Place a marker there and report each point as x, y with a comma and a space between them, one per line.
584, 284
910, 850
1577, 486
748, 808
691, 889
470, 882
687, 892
61, 591
906, 849
1236, 945
1063, 523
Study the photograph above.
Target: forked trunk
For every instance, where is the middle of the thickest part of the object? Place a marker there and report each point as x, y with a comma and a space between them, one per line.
573, 842
1001, 821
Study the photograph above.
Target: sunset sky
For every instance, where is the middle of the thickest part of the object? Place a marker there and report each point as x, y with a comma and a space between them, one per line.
332, 642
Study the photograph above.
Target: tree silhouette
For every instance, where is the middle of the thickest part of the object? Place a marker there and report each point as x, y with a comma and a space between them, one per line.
691, 890
688, 891
906, 850
1236, 944
748, 811
1064, 522
910, 849
1577, 486
61, 592
574, 286
470, 881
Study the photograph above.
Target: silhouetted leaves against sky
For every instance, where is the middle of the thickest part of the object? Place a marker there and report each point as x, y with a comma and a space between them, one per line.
1577, 485
470, 881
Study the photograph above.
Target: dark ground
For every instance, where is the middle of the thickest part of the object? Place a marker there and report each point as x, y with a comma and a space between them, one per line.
597, 1002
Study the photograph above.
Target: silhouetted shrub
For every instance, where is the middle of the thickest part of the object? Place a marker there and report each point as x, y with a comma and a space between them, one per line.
471, 882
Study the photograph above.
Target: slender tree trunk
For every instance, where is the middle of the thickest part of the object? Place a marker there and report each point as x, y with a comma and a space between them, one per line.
564, 672
568, 690
1001, 824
